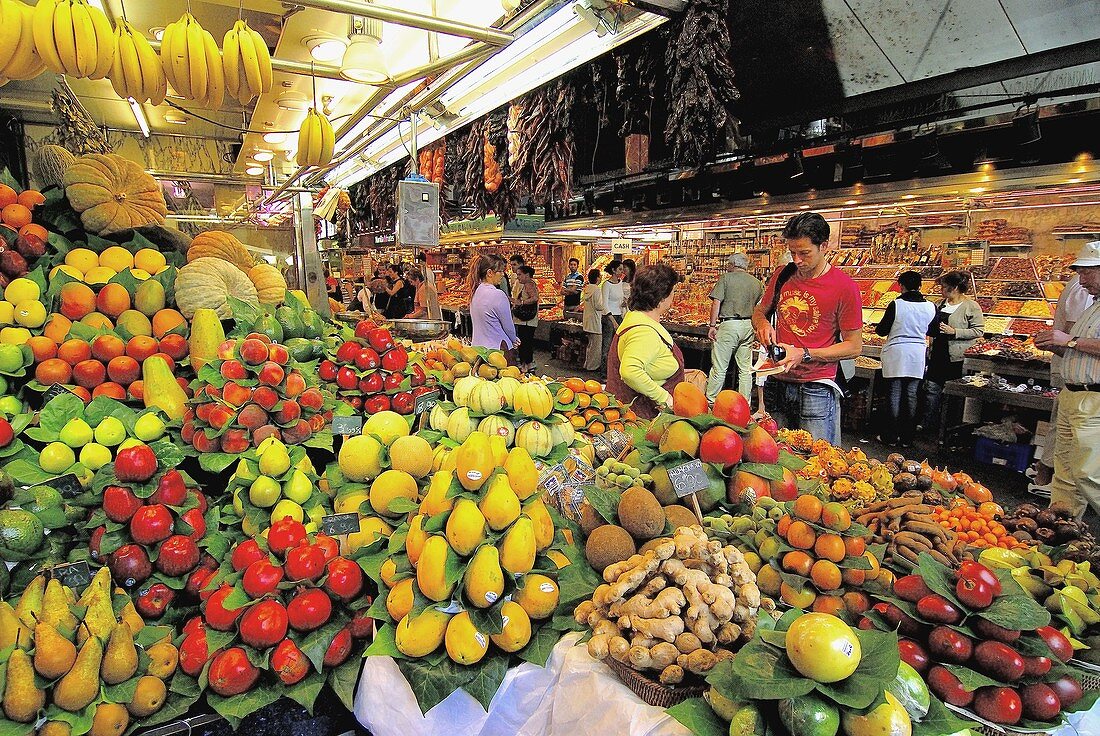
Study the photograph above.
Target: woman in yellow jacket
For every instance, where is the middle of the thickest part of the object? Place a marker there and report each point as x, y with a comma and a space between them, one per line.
644, 364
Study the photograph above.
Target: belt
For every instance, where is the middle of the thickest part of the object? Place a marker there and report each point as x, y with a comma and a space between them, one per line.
1094, 387
726, 319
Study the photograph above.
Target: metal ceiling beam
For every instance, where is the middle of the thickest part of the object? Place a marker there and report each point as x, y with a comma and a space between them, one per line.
493, 36
323, 71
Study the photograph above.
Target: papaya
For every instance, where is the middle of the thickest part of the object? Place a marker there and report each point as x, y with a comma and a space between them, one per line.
431, 569
161, 389
484, 581
465, 527
500, 505
542, 523
517, 549
206, 335
420, 635
465, 644
288, 319
523, 476
474, 461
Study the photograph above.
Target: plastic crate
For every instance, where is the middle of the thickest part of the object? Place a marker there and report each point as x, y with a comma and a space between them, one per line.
1011, 455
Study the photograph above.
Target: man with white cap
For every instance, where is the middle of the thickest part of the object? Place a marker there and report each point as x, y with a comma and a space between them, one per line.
1076, 483
732, 300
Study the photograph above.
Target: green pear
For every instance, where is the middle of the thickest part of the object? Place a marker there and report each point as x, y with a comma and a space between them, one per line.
275, 461
22, 700
12, 630
76, 690
55, 608
30, 605
120, 660
247, 471
299, 488
54, 655
149, 298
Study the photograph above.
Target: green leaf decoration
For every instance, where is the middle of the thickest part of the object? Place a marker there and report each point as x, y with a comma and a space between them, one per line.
489, 673
216, 462
384, 644
343, 680
763, 672
540, 647
122, 692
970, 679
317, 642
59, 410
940, 721
938, 578
767, 472
216, 640
699, 718
305, 692
878, 666
239, 707
1016, 612
432, 683
80, 722
790, 461
605, 501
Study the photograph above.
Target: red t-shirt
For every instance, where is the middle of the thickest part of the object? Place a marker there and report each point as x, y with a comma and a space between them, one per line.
811, 313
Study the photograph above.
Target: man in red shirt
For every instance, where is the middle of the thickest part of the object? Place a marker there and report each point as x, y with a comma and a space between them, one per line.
818, 322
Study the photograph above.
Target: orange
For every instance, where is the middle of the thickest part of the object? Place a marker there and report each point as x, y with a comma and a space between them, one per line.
830, 547
830, 604
565, 396
591, 414
798, 562
57, 328
36, 230
612, 415
8, 196
807, 508
617, 425
800, 535
77, 300
783, 525
82, 392
141, 347
854, 546
53, 370
31, 199
989, 509
583, 401
113, 300
108, 347
111, 389
768, 580
597, 428
42, 347
74, 351
826, 575
577, 421
592, 387
796, 599
16, 215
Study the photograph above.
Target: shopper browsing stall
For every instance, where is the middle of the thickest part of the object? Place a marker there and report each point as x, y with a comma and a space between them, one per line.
400, 294
525, 313
958, 324
592, 304
613, 303
429, 274
818, 321
572, 285
905, 327
427, 300
1076, 482
731, 303
630, 268
644, 364
490, 309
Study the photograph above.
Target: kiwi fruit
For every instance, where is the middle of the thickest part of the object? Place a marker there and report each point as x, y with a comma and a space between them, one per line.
607, 545
641, 514
679, 516
590, 519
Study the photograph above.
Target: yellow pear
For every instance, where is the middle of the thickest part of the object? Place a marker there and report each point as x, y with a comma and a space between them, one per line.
12, 631
30, 605
149, 697
484, 581
163, 659
465, 527
130, 614
120, 659
500, 504
522, 474
53, 654
543, 524
22, 700
55, 607
465, 644
517, 549
110, 719
99, 618
76, 690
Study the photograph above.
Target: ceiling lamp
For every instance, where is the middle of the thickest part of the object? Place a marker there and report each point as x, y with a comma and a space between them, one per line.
263, 156
325, 49
292, 101
254, 170
175, 118
274, 138
363, 60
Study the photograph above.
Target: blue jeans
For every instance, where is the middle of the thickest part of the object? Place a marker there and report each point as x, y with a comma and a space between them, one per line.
814, 407
902, 424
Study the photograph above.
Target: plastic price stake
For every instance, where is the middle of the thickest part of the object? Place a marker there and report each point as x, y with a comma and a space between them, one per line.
348, 426
67, 485
75, 575
425, 402
338, 524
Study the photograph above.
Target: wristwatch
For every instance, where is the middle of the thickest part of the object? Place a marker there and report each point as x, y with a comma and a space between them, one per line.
806, 358
1072, 344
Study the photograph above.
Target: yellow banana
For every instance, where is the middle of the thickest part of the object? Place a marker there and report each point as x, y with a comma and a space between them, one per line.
250, 65
84, 33
263, 57
131, 65
181, 77
215, 83
43, 33
64, 37
196, 60
231, 62
11, 27
328, 140
105, 42
305, 133
25, 62
153, 83
118, 71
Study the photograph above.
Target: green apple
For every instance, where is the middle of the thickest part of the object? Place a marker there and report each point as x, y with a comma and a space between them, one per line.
56, 457
274, 461
76, 433
94, 456
10, 406
286, 508
264, 492
110, 432
299, 488
149, 427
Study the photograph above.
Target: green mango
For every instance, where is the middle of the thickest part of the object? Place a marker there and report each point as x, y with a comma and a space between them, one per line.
292, 326
300, 349
313, 326
21, 534
268, 325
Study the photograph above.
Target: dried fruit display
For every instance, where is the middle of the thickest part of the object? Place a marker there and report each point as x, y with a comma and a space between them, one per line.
1013, 269
1028, 327
1023, 289
545, 148
996, 325
1006, 306
701, 84
1036, 308
1053, 289
1009, 347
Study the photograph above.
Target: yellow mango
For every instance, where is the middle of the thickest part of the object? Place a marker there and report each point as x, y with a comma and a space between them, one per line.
432, 568
517, 549
420, 635
465, 527
500, 504
465, 644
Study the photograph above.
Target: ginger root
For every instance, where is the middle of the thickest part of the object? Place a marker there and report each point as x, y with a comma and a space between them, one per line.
656, 657
665, 629
672, 675
688, 642
698, 662
654, 586
617, 648
667, 603
597, 646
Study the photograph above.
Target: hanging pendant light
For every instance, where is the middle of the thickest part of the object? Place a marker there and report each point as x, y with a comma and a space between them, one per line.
363, 60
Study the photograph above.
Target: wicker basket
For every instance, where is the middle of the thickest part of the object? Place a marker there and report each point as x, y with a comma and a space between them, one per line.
651, 691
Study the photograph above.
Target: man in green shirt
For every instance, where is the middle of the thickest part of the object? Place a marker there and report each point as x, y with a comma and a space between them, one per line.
734, 297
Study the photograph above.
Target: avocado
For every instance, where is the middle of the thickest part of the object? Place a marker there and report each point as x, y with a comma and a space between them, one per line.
313, 325
301, 349
21, 534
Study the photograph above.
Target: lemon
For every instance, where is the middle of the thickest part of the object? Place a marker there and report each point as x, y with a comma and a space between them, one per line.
82, 260
7, 313
30, 313
14, 335
287, 508
21, 290
149, 260
11, 358
68, 270
56, 457
94, 456
99, 275
347, 503
139, 274
116, 258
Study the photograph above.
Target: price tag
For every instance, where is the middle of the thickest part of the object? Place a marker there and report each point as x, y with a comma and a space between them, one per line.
425, 402
53, 392
75, 575
688, 478
67, 485
553, 484
338, 524
349, 426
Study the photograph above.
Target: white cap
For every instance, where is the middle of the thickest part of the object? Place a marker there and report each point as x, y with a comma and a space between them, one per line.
1089, 255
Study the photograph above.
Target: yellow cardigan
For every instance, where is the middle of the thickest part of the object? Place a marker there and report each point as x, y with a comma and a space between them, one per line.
645, 361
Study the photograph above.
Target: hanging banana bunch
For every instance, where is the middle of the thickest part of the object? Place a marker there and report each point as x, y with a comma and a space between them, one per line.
247, 63
316, 140
192, 62
18, 57
74, 38
136, 71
